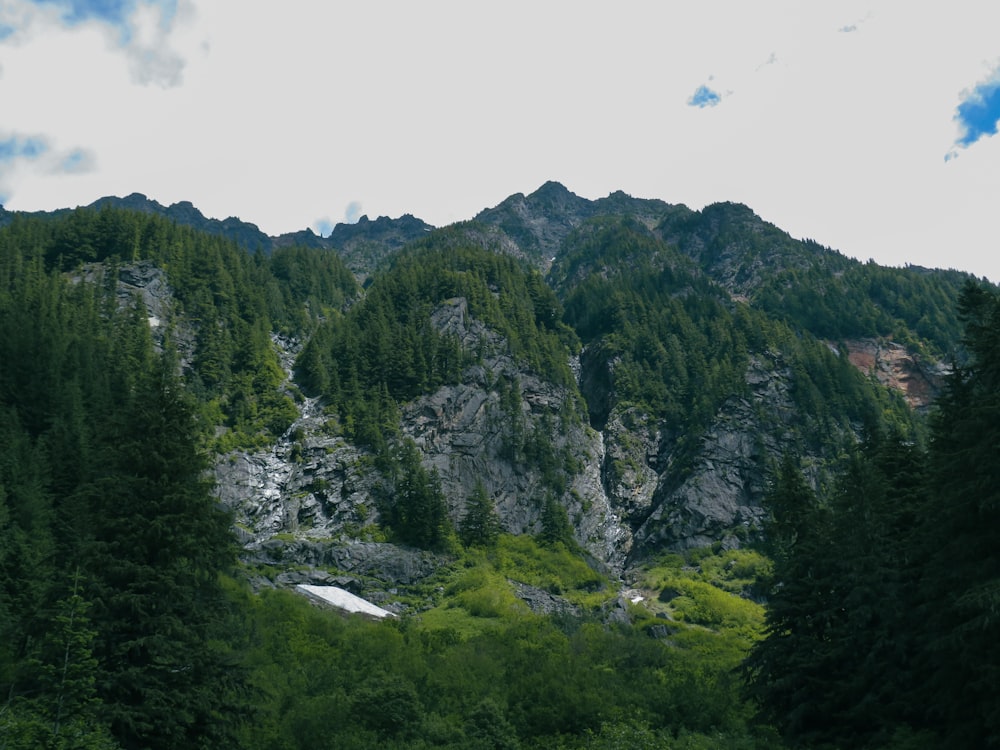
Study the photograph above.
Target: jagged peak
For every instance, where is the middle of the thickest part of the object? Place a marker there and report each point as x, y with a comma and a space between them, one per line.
552, 189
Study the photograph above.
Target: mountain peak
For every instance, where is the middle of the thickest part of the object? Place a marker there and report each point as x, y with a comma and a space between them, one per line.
552, 189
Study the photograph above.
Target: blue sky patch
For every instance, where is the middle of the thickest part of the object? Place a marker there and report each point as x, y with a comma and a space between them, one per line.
113, 12
353, 212
75, 11
76, 161
17, 147
704, 97
323, 227
978, 113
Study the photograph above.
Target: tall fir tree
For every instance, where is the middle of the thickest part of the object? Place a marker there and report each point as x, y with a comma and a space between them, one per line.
157, 546
961, 582
480, 526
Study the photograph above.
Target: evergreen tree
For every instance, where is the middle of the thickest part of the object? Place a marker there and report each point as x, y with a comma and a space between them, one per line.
416, 508
788, 672
961, 582
157, 547
836, 664
556, 528
480, 526
66, 708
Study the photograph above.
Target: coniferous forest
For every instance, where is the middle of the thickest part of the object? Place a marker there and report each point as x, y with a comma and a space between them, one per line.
863, 611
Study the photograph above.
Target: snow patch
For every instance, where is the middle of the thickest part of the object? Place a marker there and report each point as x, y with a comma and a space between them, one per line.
344, 600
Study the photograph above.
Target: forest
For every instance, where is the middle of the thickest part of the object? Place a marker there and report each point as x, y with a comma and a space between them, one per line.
863, 615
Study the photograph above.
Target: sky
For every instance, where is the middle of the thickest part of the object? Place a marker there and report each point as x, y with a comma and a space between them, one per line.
868, 126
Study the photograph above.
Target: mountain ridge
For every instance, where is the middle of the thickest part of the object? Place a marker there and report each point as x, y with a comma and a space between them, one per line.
700, 332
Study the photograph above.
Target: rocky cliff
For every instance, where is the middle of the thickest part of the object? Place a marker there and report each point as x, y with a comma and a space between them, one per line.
633, 483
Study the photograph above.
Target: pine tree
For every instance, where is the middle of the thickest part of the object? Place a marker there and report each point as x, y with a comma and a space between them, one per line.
961, 587
65, 706
157, 546
416, 510
556, 528
480, 526
836, 664
788, 672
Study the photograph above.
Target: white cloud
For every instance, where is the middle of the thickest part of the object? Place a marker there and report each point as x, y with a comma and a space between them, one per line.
276, 112
139, 31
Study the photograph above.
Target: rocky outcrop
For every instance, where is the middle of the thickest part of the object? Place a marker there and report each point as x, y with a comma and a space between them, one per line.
144, 283
310, 484
894, 366
541, 602
314, 491
630, 490
470, 433
677, 496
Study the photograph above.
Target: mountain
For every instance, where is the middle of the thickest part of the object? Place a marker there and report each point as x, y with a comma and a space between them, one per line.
364, 244
567, 443
703, 346
244, 234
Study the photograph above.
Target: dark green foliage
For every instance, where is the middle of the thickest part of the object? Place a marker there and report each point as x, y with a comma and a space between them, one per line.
112, 617
413, 505
155, 558
387, 343
660, 336
882, 616
556, 528
307, 284
233, 300
909, 305
480, 526
836, 663
640, 305
790, 503
65, 668
961, 586
816, 289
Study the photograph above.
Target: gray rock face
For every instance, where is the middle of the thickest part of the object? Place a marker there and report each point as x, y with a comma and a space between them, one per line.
629, 490
712, 494
385, 562
313, 488
541, 602
310, 484
466, 433
144, 283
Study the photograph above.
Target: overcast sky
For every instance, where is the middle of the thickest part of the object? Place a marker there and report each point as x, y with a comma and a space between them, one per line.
867, 126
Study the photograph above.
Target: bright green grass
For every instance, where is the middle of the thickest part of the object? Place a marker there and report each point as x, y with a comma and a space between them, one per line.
706, 589
476, 594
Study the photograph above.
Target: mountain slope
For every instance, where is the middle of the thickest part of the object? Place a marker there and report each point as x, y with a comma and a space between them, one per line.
646, 386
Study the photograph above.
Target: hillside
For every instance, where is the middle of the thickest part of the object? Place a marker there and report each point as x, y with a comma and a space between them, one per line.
560, 416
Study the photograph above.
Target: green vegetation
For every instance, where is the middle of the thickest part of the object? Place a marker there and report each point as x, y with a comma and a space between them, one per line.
480, 525
813, 288
665, 339
387, 346
866, 618
479, 669
113, 621
881, 616
234, 301
413, 505
908, 305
